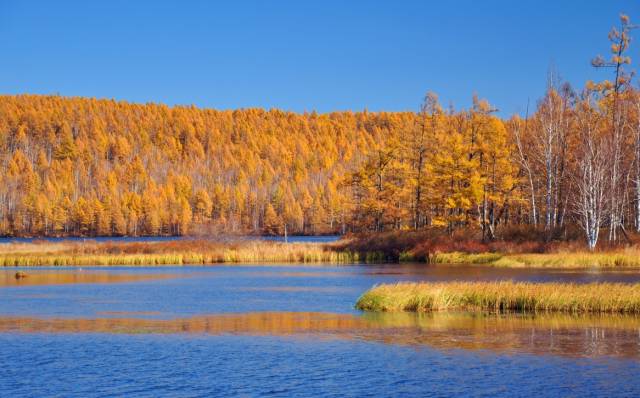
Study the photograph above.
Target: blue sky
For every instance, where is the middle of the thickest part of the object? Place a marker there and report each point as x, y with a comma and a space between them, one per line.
304, 55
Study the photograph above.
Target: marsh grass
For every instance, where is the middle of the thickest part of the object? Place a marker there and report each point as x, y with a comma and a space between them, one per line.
193, 252
521, 248
503, 297
629, 257
465, 258
189, 252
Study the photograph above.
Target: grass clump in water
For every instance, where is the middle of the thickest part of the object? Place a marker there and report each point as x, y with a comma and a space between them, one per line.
503, 297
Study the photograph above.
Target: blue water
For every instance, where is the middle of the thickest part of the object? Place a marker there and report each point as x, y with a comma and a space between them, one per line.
304, 239
399, 359
96, 239
290, 239
222, 289
82, 365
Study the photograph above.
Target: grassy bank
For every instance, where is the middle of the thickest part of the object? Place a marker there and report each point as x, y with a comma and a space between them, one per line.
190, 252
527, 248
629, 257
503, 296
311, 253
378, 248
520, 249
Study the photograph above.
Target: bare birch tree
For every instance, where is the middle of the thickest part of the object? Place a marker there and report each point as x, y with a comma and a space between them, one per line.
550, 143
636, 160
591, 177
520, 130
620, 40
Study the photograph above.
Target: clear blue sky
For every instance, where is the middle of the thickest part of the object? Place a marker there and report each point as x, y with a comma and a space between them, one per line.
303, 55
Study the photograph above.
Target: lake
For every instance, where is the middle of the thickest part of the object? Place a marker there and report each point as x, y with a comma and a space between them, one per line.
135, 239
293, 331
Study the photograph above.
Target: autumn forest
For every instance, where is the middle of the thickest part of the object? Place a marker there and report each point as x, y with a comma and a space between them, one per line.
88, 167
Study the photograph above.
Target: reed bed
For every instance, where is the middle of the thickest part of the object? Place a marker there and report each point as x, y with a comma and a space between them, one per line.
607, 259
503, 297
202, 251
629, 258
192, 252
465, 258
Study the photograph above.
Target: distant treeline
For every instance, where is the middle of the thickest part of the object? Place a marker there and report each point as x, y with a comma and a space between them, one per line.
98, 167
80, 166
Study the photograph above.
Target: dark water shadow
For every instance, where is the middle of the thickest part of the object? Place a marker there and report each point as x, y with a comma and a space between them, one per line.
480, 272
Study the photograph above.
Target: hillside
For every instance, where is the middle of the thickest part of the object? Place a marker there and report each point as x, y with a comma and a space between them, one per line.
98, 167
80, 166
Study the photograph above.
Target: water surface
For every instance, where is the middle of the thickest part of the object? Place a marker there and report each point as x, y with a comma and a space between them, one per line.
142, 239
293, 331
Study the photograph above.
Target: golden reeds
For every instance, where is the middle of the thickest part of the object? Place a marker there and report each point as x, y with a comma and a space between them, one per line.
185, 252
189, 252
503, 297
579, 259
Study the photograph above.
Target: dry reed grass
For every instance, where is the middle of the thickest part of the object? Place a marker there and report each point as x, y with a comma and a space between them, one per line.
627, 257
503, 297
168, 253
370, 250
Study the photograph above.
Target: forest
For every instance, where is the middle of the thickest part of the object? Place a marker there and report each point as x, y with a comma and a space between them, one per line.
89, 167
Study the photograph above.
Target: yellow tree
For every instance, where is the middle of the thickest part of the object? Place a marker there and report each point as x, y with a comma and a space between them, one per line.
185, 216
203, 206
456, 176
272, 222
421, 144
491, 150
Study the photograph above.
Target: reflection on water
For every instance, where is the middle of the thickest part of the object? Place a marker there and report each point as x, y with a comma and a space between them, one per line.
278, 323
263, 330
325, 289
301, 301
34, 278
545, 334
563, 335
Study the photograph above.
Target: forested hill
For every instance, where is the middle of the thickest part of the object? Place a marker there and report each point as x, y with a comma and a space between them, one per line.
78, 166
99, 167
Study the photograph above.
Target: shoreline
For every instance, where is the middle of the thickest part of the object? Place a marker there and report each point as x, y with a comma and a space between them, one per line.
208, 252
616, 259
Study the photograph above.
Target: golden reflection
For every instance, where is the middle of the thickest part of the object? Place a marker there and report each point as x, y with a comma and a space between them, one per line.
252, 323
547, 334
34, 278
565, 335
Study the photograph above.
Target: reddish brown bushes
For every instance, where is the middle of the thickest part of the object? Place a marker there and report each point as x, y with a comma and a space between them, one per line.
418, 245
